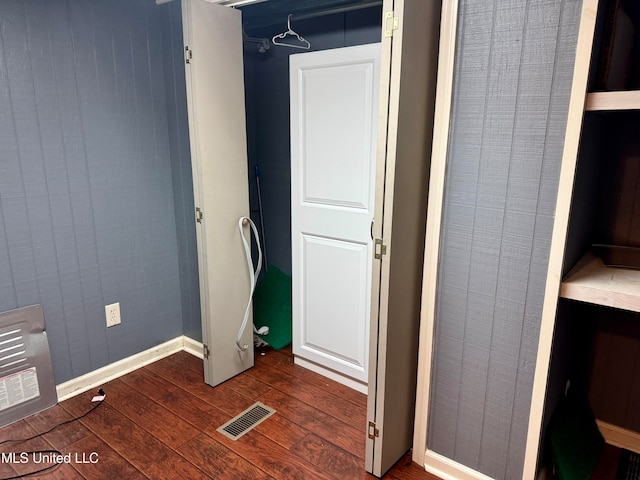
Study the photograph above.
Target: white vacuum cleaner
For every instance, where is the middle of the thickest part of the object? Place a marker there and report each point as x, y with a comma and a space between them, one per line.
253, 276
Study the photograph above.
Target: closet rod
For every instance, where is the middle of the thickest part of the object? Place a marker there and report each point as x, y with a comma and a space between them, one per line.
331, 11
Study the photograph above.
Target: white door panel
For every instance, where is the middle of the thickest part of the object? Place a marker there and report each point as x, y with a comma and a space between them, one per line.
336, 143
335, 312
334, 105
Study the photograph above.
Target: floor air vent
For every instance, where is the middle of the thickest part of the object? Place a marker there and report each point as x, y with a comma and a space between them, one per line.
241, 424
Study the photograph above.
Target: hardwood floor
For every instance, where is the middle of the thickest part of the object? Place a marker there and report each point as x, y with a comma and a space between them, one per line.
159, 422
607, 466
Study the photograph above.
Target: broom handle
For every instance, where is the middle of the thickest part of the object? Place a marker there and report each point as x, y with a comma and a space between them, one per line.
264, 239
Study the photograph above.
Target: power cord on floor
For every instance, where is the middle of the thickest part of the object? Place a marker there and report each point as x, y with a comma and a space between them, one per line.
100, 397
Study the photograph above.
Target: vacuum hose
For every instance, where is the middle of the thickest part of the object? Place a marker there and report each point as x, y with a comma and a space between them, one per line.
253, 276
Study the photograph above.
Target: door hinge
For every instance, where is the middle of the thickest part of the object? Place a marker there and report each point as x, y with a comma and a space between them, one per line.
199, 215
390, 24
380, 249
205, 349
188, 54
373, 431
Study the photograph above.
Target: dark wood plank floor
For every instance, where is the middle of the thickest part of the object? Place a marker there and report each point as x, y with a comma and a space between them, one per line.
607, 465
160, 422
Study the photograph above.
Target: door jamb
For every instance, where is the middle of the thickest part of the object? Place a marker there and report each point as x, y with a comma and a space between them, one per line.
444, 92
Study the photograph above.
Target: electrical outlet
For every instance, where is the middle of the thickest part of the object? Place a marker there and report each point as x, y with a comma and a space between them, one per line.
113, 314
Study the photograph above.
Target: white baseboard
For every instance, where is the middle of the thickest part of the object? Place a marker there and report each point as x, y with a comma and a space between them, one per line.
349, 382
98, 377
619, 437
193, 347
447, 469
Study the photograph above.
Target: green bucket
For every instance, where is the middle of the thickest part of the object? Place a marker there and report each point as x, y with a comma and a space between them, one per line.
272, 307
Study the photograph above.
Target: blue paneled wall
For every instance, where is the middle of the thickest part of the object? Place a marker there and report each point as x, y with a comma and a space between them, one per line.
178, 123
94, 176
512, 83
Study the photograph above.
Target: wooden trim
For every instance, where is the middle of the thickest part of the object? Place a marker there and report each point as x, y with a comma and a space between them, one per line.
447, 469
99, 377
619, 437
592, 282
444, 92
627, 100
558, 239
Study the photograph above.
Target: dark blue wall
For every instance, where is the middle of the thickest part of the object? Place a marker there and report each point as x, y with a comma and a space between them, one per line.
87, 217
267, 99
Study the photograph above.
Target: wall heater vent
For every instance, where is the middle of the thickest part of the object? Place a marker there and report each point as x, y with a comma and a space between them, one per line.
26, 375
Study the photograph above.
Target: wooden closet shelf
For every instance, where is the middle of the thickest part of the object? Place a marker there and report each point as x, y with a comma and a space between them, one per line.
624, 100
619, 437
592, 282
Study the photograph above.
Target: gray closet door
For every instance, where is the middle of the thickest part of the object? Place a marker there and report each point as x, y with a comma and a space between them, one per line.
407, 97
217, 130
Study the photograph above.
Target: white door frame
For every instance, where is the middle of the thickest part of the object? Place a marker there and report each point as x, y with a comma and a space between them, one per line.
444, 94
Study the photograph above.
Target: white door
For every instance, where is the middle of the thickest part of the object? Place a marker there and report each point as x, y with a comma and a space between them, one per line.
334, 107
215, 94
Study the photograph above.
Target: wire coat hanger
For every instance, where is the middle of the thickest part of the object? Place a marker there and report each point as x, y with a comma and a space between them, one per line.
276, 38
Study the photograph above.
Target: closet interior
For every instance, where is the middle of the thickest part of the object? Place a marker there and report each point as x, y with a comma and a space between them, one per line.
325, 25
596, 347
273, 31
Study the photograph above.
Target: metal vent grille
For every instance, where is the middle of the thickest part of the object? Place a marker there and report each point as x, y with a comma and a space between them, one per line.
26, 375
12, 349
245, 421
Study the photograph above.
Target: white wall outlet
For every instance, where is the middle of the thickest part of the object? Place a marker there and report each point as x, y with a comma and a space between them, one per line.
113, 314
